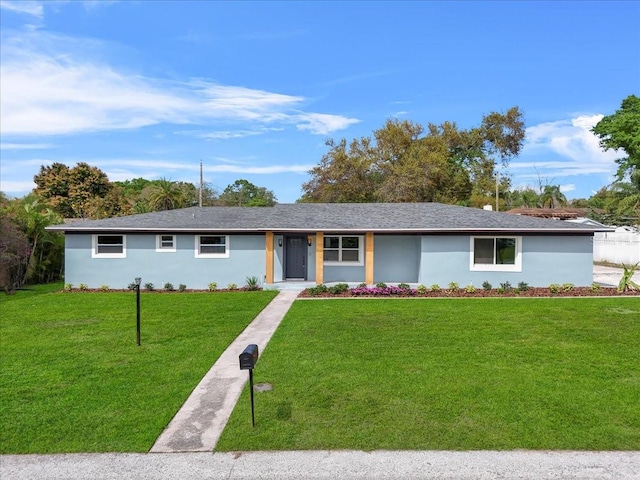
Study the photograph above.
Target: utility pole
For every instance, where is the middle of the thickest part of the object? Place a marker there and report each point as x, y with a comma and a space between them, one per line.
201, 186
497, 181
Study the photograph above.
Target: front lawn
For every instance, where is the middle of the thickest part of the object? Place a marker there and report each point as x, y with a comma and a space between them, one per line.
72, 378
460, 374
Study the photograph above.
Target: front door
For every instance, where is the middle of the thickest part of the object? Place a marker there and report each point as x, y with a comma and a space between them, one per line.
295, 254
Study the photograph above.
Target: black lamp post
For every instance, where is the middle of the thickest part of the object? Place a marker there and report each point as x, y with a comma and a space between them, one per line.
138, 280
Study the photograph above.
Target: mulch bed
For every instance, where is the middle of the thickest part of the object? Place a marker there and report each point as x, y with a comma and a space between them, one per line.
479, 293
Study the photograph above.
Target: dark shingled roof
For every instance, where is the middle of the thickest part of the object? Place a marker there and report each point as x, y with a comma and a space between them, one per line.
329, 217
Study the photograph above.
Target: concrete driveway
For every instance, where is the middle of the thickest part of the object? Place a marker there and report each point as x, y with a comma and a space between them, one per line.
610, 276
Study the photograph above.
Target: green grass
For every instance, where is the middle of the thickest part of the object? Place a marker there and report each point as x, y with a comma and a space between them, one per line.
72, 378
460, 374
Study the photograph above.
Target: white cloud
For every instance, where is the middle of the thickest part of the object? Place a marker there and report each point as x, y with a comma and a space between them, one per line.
50, 89
27, 7
323, 124
25, 146
569, 187
570, 138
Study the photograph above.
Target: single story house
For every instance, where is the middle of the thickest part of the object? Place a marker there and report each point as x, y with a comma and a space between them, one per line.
415, 243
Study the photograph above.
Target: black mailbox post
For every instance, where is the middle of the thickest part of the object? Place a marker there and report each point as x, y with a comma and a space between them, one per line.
248, 359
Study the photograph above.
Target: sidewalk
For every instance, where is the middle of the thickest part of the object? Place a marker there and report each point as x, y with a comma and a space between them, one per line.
326, 465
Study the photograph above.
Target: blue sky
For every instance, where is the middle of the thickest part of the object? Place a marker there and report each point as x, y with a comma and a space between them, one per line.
253, 89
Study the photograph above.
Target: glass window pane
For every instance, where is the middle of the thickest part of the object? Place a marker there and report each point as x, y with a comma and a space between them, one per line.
212, 240
212, 249
331, 255
109, 239
483, 250
331, 242
109, 248
350, 255
350, 242
506, 251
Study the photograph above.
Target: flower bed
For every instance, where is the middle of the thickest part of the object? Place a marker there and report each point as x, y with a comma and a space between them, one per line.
395, 292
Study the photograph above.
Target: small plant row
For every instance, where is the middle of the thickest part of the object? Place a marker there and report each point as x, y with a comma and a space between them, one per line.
405, 290
252, 283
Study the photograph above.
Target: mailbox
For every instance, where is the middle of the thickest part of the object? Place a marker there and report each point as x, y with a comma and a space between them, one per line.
249, 357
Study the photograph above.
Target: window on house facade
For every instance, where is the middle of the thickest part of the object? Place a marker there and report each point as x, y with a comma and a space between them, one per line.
165, 243
496, 254
212, 246
343, 250
109, 246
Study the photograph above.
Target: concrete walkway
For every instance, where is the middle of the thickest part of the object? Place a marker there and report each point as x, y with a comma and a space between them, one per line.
199, 423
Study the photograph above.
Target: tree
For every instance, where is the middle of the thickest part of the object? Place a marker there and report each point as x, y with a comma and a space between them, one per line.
14, 254
79, 192
165, 194
621, 131
243, 193
552, 197
405, 163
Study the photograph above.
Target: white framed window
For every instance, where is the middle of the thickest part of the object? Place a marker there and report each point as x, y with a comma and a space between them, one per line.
343, 250
496, 254
165, 243
109, 246
212, 246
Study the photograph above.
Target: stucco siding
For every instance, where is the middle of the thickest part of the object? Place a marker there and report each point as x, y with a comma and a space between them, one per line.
545, 260
396, 259
246, 259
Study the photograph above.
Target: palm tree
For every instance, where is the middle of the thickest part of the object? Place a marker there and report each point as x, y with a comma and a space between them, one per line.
552, 196
165, 194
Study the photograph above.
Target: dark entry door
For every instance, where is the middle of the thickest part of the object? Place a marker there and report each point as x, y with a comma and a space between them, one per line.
295, 266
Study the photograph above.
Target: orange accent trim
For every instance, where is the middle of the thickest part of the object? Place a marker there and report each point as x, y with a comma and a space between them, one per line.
319, 258
368, 266
269, 259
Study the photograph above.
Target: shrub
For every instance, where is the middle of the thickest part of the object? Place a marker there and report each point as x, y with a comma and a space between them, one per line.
362, 285
149, 287
381, 285
404, 286
182, 287
213, 286
338, 288
168, 287
435, 287
132, 287
523, 286
500, 290
421, 289
83, 286
68, 287
506, 286
104, 288
486, 285
470, 288
626, 282
317, 290
567, 287
555, 288
595, 288
253, 283
232, 286
454, 287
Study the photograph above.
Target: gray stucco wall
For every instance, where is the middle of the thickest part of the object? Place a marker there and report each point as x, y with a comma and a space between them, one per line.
545, 260
397, 258
246, 258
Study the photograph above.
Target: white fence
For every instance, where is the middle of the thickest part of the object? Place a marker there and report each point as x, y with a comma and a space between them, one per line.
616, 247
